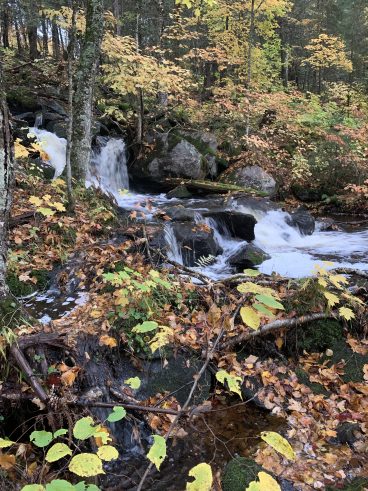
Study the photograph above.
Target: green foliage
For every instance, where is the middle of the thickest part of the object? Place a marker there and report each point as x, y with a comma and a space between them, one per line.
117, 414
157, 452
239, 473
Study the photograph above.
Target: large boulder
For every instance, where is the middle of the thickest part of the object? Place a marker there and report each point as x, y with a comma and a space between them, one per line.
303, 220
247, 256
195, 242
253, 176
236, 224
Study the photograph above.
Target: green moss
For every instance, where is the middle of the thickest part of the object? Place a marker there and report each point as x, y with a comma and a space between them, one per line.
316, 388
320, 335
20, 289
354, 362
21, 97
239, 473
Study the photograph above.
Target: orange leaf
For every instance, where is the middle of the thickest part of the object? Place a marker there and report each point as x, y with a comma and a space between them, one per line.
108, 341
7, 461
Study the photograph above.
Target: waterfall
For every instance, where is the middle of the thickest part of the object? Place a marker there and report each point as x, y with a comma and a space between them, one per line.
173, 247
108, 169
54, 146
38, 120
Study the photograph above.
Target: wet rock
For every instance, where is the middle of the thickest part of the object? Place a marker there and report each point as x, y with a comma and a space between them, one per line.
305, 194
328, 225
348, 433
303, 220
181, 214
236, 224
239, 473
180, 192
247, 256
253, 176
195, 241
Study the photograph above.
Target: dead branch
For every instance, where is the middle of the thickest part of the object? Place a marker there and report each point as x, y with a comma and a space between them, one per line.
26, 368
351, 271
275, 326
42, 338
132, 407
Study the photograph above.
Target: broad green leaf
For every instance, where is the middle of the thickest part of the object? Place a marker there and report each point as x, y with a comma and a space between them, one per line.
86, 465
84, 428
107, 453
82, 486
133, 382
270, 302
251, 272
202, 474
57, 451
254, 486
59, 485
279, 443
41, 438
146, 326
250, 317
60, 432
332, 299
157, 452
33, 487
5, 443
346, 313
117, 414
263, 310
233, 381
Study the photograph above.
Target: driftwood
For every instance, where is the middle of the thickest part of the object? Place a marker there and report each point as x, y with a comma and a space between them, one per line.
26, 368
275, 326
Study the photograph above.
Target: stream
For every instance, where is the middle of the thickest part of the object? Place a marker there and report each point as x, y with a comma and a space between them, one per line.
289, 253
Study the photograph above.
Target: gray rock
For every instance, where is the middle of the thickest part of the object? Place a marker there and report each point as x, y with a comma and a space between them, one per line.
181, 214
254, 177
247, 256
302, 220
183, 160
195, 242
236, 224
53, 106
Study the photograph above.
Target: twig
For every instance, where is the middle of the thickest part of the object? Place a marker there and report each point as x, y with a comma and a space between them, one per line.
25, 367
351, 271
205, 279
132, 407
275, 326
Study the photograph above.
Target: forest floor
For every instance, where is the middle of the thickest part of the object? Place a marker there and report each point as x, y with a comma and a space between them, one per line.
312, 375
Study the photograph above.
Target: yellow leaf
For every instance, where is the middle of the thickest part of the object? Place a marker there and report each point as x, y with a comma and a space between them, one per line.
233, 381
108, 341
86, 465
5, 443
35, 201
203, 478
279, 443
20, 150
249, 287
58, 206
250, 317
107, 453
68, 377
332, 299
346, 313
265, 483
157, 452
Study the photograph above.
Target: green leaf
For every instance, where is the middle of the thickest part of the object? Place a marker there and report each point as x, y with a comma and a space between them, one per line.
133, 382
146, 326
232, 380
33, 487
270, 302
59, 485
41, 438
5, 443
84, 428
108, 453
249, 287
60, 432
203, 478
263, 310
117, 414
46, 212
250, 317
279, 443
57, 452
86, 465
82, 486
157, 452
251, 272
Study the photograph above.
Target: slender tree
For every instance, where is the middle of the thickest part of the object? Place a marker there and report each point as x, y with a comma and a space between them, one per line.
84, 87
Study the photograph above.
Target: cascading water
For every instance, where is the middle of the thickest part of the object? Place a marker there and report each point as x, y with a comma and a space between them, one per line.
292, 254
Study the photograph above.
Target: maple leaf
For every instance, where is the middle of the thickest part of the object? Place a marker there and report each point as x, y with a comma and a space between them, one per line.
108, 341
346, 313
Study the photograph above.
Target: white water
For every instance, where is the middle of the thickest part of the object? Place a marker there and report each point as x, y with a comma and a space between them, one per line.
292, 254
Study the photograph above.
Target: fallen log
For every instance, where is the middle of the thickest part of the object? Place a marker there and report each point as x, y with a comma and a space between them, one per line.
26, 368
275, 326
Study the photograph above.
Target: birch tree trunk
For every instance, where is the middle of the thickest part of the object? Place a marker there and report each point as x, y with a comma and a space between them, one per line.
84, 87
6, 182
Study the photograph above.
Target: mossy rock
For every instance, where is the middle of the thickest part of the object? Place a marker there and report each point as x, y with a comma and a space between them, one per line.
239, 473
354, 361
320, 335
316, 388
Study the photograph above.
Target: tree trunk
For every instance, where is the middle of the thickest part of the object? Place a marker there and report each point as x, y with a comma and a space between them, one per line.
45, 38
84, 85
249, 61
117, 15
6, 182
32, 40
55, 40
71, 54
5, 17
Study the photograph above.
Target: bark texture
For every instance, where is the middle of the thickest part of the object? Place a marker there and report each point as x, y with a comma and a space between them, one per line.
84, 85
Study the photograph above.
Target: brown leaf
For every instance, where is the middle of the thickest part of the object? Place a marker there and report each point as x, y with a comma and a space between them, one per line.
7, 461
